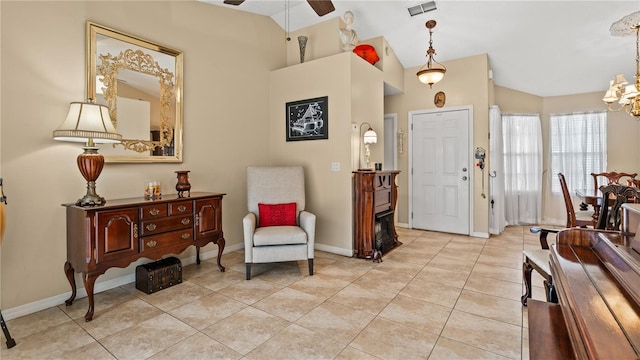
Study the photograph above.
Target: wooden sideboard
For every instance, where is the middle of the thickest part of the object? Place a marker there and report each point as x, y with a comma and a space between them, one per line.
125, 230
375, 195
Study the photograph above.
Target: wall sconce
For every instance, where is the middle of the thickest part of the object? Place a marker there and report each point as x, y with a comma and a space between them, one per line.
89, 123
369, 137
432, 71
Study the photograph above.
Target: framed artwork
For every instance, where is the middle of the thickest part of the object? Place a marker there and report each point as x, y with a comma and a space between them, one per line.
307, 119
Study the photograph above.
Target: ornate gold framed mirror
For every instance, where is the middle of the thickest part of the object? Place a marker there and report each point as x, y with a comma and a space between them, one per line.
141, 83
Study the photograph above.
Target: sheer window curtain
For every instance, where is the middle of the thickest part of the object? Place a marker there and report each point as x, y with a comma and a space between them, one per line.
578, 147
522, 144
497, 221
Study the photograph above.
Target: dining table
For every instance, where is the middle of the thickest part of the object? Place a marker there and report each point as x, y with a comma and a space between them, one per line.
590, 197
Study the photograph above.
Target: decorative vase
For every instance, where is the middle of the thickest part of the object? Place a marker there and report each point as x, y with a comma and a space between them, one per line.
183, 183
302, 41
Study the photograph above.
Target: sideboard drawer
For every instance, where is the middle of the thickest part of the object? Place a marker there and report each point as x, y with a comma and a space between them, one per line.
157, 226
168, 239
180, 208
153, 211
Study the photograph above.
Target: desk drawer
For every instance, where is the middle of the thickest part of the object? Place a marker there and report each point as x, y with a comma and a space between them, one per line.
149, 243
157, 226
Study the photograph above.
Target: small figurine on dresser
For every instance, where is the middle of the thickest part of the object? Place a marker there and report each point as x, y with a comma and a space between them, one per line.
348, 36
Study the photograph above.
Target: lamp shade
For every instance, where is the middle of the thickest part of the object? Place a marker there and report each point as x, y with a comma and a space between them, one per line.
87, 122
370, 137
431, 76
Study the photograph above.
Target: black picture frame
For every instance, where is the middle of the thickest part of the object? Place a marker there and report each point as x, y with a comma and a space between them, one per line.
307, 119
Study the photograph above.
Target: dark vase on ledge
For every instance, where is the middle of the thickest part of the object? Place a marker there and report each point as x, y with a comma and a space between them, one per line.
183, 183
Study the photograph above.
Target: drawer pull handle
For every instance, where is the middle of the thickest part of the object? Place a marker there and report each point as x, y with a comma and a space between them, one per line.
185, 236
151, 227
135, 231
182, 208
186, 221
152, 243
154, 211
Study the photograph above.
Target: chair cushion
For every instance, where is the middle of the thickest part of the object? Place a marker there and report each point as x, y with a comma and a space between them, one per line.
277, 214
279, 235
539, 257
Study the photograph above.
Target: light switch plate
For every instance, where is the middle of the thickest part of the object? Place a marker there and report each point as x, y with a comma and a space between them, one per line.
335, 166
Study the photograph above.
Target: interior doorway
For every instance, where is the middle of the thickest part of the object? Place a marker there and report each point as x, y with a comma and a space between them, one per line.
390, 142
441, 171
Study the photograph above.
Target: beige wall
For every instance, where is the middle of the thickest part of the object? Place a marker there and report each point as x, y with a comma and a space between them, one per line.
354, 90
465, 83
228, 57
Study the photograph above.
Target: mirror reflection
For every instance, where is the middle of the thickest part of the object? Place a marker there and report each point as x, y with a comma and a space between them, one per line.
141, 83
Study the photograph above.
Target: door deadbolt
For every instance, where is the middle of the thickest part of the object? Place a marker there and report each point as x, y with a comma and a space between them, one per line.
464, 169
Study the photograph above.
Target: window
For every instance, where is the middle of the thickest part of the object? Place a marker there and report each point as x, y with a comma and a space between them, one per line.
578, 148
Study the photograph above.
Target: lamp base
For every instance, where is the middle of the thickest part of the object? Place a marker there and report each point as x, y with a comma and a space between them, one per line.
91, 198
90, 164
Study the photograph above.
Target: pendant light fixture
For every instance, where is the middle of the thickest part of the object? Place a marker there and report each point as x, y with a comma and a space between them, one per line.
432, 71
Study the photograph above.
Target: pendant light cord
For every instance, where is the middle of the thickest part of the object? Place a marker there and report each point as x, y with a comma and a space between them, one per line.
286, 19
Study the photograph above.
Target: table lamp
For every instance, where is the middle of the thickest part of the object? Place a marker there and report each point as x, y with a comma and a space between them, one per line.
369, 137
89, 123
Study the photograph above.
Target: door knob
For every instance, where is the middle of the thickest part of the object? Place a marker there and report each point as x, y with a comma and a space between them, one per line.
464, 178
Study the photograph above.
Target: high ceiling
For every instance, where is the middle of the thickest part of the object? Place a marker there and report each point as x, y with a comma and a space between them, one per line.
544, 48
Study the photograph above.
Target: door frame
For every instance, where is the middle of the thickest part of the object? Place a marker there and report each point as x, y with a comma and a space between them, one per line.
393, 138
410, 115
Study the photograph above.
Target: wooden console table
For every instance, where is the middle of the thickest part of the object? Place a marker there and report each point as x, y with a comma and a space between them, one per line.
123, 231
374, 204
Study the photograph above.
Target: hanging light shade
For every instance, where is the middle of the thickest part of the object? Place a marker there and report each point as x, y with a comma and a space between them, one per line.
432, 72
620, 91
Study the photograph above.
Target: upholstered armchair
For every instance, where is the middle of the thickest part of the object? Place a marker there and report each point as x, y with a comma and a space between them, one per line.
277, 227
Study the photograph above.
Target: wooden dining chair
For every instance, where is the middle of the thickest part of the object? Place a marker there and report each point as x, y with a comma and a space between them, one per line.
611, 216
612, 177
574, 219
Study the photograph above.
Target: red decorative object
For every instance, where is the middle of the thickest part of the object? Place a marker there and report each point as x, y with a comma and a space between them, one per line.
367, 52
277, 214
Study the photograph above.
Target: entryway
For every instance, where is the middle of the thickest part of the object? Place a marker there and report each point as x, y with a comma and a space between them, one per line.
441, 172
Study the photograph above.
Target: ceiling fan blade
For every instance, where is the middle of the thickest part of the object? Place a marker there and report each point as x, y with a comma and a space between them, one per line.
233, 2
321, 7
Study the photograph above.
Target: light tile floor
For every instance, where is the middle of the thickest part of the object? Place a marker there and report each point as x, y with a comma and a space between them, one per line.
437, 296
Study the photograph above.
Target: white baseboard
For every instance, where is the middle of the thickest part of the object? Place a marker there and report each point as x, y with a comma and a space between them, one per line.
334, 250
56, 300
483, 235
402, 225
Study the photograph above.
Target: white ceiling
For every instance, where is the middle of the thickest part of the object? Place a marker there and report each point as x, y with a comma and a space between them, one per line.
545, 48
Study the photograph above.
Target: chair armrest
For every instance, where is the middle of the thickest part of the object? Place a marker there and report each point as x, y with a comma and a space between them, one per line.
543, 235
308, 224
249, 228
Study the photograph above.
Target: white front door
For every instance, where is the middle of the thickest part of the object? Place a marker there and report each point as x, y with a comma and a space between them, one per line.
441, 170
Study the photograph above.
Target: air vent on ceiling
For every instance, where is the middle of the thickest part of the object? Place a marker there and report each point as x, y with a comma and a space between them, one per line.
422, 8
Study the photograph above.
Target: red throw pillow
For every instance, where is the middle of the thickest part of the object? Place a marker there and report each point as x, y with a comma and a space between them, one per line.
277, 214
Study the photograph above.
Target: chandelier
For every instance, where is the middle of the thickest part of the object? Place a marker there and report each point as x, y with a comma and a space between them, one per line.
432, 71
626, 95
